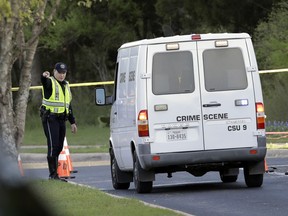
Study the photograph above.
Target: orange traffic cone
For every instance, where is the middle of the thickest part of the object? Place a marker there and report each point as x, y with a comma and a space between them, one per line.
269, 169
69, 161
266, 166
20, 165
62, 169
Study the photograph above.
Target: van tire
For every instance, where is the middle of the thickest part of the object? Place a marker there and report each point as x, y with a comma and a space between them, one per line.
228, 179
253, 180
140, 186
115, 173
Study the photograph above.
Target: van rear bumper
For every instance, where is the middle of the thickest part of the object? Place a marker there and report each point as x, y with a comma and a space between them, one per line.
202, 157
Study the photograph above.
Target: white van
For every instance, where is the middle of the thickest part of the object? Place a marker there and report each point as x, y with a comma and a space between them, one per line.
186, 103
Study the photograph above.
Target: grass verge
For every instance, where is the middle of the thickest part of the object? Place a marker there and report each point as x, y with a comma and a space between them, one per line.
68, 199
277, 146
93, 139
86, 135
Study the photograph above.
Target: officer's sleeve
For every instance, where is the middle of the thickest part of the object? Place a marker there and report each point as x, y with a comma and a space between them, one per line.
71, 117
44, 81
47, 86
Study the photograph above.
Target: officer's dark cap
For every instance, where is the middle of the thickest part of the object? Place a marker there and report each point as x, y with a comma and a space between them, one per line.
61, 67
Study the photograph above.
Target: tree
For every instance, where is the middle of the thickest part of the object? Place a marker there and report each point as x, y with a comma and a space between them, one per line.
271, 39
21, 23
87, 38
271, 45
198, 16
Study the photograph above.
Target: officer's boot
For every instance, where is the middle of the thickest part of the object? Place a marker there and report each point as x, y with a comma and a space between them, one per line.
53, 165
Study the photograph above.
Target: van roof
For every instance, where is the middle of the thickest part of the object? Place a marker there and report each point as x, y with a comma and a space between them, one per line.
182, 38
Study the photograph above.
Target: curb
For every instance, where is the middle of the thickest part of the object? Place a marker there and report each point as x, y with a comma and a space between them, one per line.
34, 160
76, 157
37, 161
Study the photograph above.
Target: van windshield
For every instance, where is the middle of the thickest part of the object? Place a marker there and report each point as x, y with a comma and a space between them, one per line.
224, 70
172, 73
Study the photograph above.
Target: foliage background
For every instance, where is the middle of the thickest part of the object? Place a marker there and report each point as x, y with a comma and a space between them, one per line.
271, 45
87, 39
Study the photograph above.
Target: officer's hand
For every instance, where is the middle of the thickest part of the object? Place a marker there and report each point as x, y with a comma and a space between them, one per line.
46, 74
74, 128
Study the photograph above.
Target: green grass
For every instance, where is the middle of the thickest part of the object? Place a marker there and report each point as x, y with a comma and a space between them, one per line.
86, 135
92, 138
67, 199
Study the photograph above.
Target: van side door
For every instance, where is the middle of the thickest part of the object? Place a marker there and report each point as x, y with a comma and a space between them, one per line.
123, 111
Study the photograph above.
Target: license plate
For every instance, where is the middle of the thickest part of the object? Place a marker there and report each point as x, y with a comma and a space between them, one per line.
176, 135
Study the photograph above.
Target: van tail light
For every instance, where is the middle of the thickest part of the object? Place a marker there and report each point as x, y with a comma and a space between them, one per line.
143, 127
260, 116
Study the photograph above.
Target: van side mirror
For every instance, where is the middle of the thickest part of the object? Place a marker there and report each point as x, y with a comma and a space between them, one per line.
100, 96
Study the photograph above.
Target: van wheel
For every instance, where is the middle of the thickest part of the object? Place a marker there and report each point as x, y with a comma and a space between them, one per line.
253, 180
115, 172
228, 179
140, 186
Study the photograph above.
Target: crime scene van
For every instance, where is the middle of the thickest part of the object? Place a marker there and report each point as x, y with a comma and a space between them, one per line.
186, 103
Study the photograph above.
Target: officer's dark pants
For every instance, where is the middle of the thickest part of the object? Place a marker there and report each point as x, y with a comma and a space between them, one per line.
55, 129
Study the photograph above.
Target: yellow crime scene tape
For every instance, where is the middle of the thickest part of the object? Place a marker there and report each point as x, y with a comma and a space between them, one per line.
112, 82
72, 85
274, 71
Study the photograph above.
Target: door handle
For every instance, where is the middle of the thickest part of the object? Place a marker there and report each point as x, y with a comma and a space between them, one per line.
212, 105
115, 113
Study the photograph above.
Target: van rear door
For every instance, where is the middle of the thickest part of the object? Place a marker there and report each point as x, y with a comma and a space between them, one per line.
227, 91
173, 98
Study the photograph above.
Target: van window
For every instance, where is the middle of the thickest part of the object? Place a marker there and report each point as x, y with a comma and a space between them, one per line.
115, 81
122, 78
172, 73
131, 76
224, 70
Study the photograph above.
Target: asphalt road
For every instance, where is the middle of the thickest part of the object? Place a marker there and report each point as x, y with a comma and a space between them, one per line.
199, 196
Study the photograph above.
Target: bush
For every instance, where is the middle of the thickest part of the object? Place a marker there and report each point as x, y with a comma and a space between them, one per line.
276, 126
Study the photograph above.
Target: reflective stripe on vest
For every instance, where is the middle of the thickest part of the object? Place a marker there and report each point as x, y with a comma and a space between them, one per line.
58, 101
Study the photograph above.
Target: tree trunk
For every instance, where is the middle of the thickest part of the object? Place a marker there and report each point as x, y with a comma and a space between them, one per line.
7, 128
23, 94
25, 77
12, 124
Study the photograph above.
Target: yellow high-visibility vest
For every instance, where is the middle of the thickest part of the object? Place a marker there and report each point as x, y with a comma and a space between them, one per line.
58, 102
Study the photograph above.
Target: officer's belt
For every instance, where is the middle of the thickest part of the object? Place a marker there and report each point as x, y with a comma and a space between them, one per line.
58, 114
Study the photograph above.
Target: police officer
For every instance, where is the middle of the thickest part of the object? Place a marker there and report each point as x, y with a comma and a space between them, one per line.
55, 110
